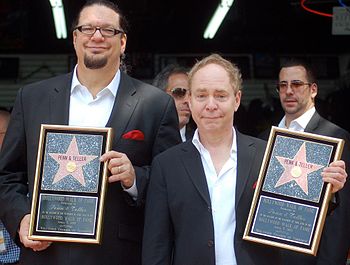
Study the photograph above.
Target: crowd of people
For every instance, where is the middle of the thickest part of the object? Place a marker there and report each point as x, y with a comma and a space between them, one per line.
179, 192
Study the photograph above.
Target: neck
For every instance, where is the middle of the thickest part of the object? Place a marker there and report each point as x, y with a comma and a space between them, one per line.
291, 117
213, 141
95, 79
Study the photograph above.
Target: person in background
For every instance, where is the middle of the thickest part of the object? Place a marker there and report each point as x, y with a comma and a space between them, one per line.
297, 88
97, 94
200, 191
173, 79
9, 251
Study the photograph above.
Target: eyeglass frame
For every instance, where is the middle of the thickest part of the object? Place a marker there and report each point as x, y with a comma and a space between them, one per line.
100, 29
293, 84
176, 95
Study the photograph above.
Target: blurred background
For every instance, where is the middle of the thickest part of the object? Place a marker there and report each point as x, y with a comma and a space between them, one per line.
256, 35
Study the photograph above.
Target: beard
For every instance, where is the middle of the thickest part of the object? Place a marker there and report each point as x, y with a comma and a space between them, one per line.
95, 62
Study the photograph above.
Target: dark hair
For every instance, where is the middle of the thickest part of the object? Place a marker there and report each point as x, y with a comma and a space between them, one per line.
122, 19
161, 79
291, 62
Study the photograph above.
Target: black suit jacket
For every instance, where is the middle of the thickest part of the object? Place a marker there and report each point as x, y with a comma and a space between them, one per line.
137, 106
179, 225
335, 241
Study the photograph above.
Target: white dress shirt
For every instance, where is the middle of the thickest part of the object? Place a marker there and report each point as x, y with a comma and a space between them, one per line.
222, 190
300, 123
84, 110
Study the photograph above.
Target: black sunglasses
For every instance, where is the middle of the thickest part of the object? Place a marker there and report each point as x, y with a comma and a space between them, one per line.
178, 92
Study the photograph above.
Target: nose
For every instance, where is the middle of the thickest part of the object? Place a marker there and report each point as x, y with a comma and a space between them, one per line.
97, 35
211, 104
186, 98
289, 89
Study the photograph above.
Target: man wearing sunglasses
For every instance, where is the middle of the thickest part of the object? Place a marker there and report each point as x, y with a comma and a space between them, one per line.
297, 89
173, 80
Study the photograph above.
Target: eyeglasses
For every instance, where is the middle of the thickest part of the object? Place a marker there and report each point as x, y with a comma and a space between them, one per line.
105, 32
295, 85
178, 92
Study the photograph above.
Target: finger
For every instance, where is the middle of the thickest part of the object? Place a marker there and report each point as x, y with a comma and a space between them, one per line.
44, 245
120, 174
113, 178
336, 166
114, 164
110, 155
33, 244
336, 180
116, 170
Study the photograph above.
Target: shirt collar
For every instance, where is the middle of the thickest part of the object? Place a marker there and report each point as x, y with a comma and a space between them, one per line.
200, 147
301, 121
183, 133
112, 86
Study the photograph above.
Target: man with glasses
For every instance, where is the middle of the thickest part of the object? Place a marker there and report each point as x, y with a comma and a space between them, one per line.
173, 80
297, 89
98, 94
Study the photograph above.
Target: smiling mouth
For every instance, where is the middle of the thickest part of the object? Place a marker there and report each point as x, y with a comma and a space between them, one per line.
96, 48
211, 118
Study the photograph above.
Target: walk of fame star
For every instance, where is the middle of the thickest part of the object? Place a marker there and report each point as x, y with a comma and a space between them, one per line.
71, 163
297, 169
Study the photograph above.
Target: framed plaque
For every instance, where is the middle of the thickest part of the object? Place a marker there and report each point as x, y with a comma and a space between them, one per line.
70, 184
290, 202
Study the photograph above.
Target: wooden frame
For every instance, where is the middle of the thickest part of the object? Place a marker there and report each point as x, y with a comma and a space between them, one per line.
291, 200
70, 184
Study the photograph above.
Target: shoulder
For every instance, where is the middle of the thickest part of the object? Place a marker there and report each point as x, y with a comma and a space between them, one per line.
44, 85
143, 89
329, 128
176, 152
250, 140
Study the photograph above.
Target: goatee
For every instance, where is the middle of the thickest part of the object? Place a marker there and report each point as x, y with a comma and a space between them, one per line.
95, 63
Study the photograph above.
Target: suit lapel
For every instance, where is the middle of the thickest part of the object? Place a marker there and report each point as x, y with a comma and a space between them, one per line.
245, 153
59, 101
193, 165
313, 123
124, 106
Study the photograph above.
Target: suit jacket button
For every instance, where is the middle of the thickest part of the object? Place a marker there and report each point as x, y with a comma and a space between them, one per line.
210, 243
209, 209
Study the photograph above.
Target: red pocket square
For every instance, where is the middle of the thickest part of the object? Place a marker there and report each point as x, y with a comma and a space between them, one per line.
134, 135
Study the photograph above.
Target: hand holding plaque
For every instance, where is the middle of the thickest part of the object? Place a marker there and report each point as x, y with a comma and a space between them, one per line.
291, 199
70, 184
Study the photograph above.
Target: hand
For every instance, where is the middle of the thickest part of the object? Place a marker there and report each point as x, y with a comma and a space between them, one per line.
335, 174
23, 236
120, 167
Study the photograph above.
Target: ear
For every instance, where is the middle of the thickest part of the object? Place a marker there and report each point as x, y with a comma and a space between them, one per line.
123, 40
238, 99
74, 39
313, 90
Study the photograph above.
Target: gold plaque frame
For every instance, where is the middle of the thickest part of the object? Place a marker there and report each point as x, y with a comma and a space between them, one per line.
290, 201
70, 184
